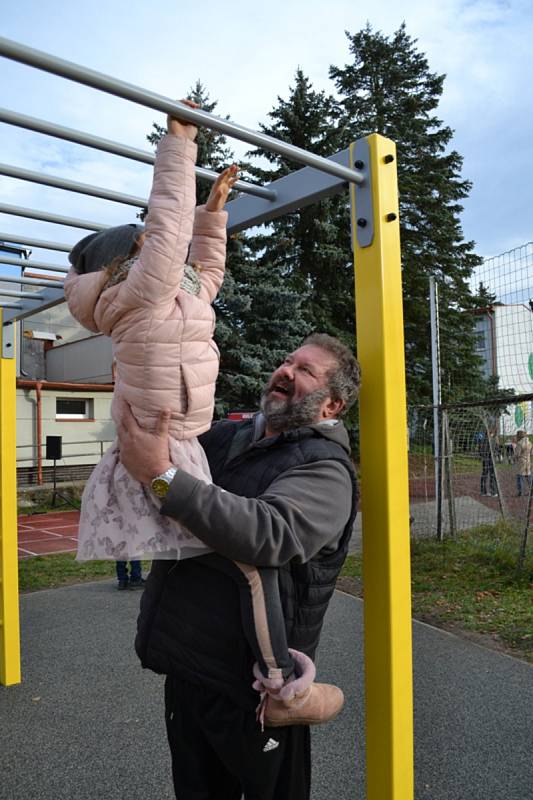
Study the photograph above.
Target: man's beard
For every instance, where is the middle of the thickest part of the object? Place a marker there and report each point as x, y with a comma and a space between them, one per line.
287, 414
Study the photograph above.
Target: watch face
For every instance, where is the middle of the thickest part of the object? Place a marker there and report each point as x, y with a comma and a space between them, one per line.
160, 487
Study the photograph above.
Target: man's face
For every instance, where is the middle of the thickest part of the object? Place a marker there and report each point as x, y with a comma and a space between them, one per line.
297, 393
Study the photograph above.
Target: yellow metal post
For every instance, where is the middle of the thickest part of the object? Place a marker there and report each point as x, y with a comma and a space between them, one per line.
9, 608
384, 477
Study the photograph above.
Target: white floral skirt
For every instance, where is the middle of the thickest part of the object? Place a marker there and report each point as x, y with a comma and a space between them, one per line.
120, 519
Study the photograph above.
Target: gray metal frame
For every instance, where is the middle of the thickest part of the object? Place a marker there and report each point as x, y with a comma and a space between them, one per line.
108, 146
322, 177
127, 91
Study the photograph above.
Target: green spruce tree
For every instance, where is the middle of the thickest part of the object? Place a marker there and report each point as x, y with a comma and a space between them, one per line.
388, 88
310, 247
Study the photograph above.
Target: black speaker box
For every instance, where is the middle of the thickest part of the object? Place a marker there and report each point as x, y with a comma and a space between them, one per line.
53, 448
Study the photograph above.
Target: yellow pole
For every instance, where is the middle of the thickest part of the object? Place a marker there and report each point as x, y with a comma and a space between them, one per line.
384, 480
9, 609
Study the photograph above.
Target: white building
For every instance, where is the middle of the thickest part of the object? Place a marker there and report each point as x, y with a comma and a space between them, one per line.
505, 343
64, 389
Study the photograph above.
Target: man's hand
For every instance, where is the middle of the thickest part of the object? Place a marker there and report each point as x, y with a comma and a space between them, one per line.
221, 188
179, 127
143, 453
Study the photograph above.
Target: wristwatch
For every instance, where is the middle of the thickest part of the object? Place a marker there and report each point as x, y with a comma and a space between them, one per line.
161, 483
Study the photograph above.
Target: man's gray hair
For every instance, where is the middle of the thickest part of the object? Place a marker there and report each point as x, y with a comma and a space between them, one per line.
343, 381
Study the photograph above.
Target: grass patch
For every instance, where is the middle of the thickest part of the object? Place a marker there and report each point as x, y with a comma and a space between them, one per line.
471, 583
49, 572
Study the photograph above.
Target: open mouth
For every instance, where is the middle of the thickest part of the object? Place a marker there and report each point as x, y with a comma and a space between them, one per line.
281, 390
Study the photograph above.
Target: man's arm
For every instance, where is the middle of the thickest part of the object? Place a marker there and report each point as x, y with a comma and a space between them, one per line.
303, 510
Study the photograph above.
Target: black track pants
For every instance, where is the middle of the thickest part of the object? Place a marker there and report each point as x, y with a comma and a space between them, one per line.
261, 612
219, 752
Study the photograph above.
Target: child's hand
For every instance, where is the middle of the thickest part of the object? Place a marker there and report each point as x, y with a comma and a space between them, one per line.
221, 188
179, 127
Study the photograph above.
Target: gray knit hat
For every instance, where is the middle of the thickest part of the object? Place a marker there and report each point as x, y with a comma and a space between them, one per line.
99, 249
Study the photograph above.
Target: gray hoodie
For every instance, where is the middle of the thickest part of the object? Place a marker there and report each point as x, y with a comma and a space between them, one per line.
304, 510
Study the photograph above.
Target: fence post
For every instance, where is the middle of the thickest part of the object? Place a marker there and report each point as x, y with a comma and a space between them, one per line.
523, 542
9, 600
384, 473
435, 375
448, 455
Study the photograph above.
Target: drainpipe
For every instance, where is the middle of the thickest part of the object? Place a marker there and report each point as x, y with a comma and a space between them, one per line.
69, 387
38, 386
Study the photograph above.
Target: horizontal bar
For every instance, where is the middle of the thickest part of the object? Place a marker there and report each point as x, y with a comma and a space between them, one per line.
31, 281
65, 444
71, 186
9, 305
32, 459
127, 91
108, 146
25, 263
27, 295
23, 239
31, 213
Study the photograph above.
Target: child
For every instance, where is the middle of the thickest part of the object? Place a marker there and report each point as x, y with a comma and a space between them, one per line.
134, 285
133, 580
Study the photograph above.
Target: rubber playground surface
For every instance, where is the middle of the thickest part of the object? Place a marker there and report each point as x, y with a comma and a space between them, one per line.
44, 534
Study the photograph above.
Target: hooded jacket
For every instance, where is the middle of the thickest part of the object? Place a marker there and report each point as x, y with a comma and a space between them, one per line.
286, 501
162, 334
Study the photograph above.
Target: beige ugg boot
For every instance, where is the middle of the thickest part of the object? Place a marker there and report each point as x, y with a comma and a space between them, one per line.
320, 702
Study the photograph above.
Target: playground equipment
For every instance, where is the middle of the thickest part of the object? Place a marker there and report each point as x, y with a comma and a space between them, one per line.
368, 168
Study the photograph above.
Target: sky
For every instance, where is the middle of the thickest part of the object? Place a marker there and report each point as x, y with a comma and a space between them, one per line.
247, 55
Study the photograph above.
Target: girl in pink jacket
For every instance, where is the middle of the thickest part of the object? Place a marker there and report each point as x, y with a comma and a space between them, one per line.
135, 285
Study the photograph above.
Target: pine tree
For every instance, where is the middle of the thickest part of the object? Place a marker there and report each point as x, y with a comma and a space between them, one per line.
271, 325
388, 88
310, 247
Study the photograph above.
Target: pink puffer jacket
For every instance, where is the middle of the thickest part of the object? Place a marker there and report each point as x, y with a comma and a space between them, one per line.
162, 335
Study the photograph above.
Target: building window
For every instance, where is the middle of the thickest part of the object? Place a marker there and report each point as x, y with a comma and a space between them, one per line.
73, 408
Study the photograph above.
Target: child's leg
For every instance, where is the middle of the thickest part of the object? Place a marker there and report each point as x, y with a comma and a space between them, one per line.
284, 677
262, 615
135, 571
122, 574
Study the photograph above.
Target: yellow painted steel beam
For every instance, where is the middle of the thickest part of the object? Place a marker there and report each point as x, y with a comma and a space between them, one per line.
9, 600
384, 484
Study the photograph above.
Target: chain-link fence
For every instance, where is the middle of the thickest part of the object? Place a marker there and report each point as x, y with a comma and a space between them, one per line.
470, 462
481, 474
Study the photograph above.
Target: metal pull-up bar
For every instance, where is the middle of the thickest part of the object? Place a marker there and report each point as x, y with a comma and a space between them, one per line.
117, 149
23, 295
46, 216
16, 262
31, 281
21, 238
128, 91
71, 186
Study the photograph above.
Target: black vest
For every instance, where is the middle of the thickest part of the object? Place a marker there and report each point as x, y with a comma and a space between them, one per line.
190, 622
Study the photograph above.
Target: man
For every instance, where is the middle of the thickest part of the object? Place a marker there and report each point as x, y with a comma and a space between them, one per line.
284, 495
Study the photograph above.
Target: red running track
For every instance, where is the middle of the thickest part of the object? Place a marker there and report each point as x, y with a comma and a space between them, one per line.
44, 534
